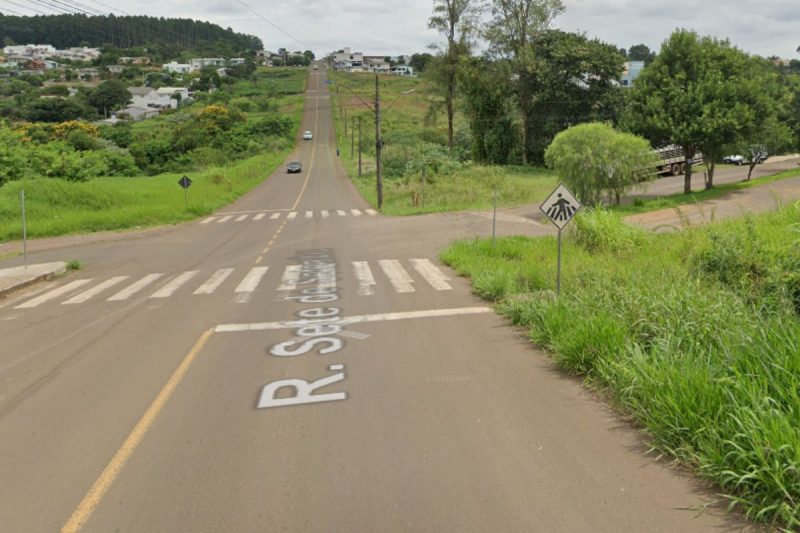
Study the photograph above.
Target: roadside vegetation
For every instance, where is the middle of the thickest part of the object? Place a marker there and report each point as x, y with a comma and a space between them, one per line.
694, 334
114, 177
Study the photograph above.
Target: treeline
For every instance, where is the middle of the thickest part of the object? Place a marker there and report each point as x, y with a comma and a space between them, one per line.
533, 81
65, 31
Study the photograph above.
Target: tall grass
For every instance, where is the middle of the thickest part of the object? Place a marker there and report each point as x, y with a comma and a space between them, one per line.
695, 334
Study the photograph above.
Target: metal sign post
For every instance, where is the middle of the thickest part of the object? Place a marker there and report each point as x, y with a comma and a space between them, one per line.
560, 207
494, 215
24, 228
185, 182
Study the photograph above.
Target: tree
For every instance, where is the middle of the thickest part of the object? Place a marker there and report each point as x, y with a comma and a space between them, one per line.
488, 106
109, 96
594, 158
456, 20
573, 81
419, 61
702, 94
641, 52
514, 26
53, 110
772, 137
309, 55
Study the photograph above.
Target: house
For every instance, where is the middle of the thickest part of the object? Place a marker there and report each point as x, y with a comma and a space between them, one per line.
236, 61
172, 96
199, 63
376, 65
88, 73
402, 70
347, 60
177, 68
115, 69
30, 50
631, 71
141, 60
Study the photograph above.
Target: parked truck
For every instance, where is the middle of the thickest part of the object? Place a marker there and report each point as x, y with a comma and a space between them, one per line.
673, 160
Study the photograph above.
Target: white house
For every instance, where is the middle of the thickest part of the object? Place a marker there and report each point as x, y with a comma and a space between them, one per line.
30, 50
402, 70
346, 60
236, 61
199, 63
177, 68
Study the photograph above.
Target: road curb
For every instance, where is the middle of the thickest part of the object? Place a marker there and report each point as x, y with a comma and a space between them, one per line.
22, 281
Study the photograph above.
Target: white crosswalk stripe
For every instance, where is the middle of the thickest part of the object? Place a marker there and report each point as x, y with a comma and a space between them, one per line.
132, 289
176, 283
213, 283
55, 293
366, 280
290, 277
94, 291
290, 215
435, 277
397, 275
244, 291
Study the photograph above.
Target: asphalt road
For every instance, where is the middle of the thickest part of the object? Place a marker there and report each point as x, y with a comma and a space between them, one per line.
296, 363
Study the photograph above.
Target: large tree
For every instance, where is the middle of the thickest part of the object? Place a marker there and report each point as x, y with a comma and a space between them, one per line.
109, 96
573, 82
702, 94
514, 26
456, 21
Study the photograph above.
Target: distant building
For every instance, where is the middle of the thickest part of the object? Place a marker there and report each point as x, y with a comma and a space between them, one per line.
30, 50
115, 69
348, 61
236, 61
199, 63
631, 72
402, 70
140, 60
376, 65
178, 68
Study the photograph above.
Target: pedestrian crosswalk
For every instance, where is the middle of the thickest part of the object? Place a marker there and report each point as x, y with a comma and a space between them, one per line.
367, 278
287, 215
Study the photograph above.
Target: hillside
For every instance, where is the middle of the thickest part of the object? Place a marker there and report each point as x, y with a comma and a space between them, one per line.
64, 31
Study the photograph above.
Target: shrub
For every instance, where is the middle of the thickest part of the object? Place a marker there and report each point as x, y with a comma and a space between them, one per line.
600, 230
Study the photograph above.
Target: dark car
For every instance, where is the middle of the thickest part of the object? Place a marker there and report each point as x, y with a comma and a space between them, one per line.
294, 167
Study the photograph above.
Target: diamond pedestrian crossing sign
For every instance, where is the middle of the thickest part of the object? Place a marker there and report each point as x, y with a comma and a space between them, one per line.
560, 206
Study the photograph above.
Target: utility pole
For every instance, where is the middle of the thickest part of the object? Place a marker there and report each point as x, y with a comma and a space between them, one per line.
352, 137
359, 146
345, 123
378, 142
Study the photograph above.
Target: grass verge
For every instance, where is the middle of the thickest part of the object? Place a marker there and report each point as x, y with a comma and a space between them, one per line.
695, 334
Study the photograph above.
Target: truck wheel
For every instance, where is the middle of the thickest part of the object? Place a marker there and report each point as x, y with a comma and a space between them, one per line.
676, 169
683, 168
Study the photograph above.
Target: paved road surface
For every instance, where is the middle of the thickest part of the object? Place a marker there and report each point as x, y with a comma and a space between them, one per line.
318, 370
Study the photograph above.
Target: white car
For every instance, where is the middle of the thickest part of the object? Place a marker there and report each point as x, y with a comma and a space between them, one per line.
307, 136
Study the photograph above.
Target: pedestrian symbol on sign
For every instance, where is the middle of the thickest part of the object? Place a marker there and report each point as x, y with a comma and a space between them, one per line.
562, 210
560, 206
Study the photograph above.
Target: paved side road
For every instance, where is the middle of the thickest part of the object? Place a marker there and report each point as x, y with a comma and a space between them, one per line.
753, 200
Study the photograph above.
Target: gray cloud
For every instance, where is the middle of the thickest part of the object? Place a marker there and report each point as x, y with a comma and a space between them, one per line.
386, 27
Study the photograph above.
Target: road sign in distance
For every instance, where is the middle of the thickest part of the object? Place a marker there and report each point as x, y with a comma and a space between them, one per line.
560, 206
185, 182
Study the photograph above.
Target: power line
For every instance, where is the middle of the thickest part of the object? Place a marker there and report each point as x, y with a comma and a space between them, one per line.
13, 12
262, 17
59, 10
111, 9
24, 7
78, 6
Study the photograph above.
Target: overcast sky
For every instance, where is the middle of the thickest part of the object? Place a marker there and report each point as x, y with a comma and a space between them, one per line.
386, 27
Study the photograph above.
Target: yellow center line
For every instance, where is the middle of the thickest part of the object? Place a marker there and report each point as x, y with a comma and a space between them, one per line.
90, 502
313, 155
